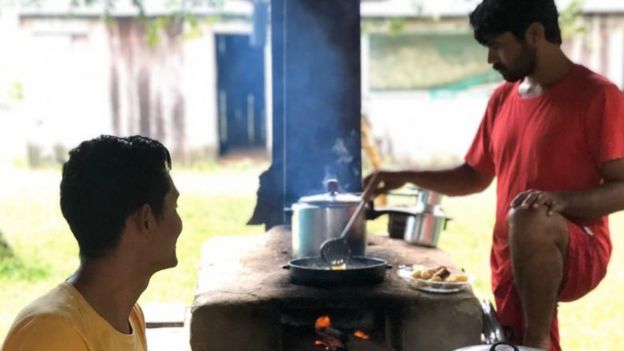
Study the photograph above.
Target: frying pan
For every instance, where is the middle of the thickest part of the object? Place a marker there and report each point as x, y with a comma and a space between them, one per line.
314, 271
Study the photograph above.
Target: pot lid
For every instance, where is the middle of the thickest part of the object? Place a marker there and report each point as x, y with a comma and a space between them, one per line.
332, 197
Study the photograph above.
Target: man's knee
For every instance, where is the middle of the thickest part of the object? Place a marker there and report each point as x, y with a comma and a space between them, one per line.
533, 227
520, 218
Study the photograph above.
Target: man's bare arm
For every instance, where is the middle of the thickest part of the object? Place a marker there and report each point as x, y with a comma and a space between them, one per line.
461, 180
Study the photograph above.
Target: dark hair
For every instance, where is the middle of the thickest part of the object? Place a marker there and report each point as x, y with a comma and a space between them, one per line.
493, 17
104, 181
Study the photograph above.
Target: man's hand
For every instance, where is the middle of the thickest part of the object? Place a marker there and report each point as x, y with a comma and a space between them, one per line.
553, 201
384, 181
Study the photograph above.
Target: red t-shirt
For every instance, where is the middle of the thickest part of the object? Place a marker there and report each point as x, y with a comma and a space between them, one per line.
554, 142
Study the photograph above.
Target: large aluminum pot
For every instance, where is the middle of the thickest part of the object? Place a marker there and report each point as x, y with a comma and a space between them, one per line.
429, 198
425, 227
416, 225
320, 217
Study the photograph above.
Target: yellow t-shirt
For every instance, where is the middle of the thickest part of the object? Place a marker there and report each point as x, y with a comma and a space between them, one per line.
62, 320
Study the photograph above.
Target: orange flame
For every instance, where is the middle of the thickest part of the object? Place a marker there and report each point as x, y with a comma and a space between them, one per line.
322, 322
361, 335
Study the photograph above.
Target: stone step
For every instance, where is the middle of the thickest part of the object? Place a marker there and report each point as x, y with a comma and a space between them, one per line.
167, 326
159, 315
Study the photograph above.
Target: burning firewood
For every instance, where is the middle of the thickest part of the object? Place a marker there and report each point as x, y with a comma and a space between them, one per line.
330, 339
334, 339
361, 335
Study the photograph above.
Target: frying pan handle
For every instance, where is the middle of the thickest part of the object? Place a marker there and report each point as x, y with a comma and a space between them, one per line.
373, 213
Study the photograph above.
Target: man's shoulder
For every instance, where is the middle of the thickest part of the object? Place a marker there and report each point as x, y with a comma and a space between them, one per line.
42, 324
54, 309
47, 323
57, 303
591, 81
43, 332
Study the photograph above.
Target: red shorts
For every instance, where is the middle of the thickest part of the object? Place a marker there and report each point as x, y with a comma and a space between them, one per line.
584, 268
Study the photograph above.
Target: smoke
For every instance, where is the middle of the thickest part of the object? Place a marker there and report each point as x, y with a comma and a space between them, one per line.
321, 46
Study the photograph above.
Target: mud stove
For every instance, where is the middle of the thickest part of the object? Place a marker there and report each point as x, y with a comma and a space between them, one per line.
246, 302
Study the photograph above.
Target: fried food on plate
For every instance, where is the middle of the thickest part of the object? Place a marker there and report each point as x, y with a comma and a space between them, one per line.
438, 274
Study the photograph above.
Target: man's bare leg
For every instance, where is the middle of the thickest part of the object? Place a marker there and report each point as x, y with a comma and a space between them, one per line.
538, 244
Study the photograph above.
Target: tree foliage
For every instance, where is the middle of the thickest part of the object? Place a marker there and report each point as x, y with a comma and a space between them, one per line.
571, 19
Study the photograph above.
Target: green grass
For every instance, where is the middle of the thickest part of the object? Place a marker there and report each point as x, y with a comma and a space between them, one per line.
218, 201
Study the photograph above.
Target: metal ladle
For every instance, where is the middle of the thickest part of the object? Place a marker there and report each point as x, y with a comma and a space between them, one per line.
336, 251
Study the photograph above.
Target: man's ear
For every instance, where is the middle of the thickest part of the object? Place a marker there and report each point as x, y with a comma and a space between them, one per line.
535, 33
145, 218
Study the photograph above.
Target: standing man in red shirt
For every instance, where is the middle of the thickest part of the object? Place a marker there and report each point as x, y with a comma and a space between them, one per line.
553, 135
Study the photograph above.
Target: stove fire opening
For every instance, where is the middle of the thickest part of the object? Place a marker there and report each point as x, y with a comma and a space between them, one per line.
333, 329
331, 338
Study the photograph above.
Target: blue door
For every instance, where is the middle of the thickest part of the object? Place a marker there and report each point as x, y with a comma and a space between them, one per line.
240, 87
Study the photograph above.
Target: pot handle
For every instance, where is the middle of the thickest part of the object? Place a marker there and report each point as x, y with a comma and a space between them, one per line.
495, 346
372, 213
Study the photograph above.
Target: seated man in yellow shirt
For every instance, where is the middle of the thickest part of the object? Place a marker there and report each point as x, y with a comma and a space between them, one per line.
120, 203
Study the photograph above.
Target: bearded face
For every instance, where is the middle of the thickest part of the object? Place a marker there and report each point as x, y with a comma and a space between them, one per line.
514, 59
522, 66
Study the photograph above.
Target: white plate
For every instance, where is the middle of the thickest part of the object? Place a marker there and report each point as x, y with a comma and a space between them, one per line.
438, 287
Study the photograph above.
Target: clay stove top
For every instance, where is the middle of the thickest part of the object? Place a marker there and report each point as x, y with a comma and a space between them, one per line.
244, 299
